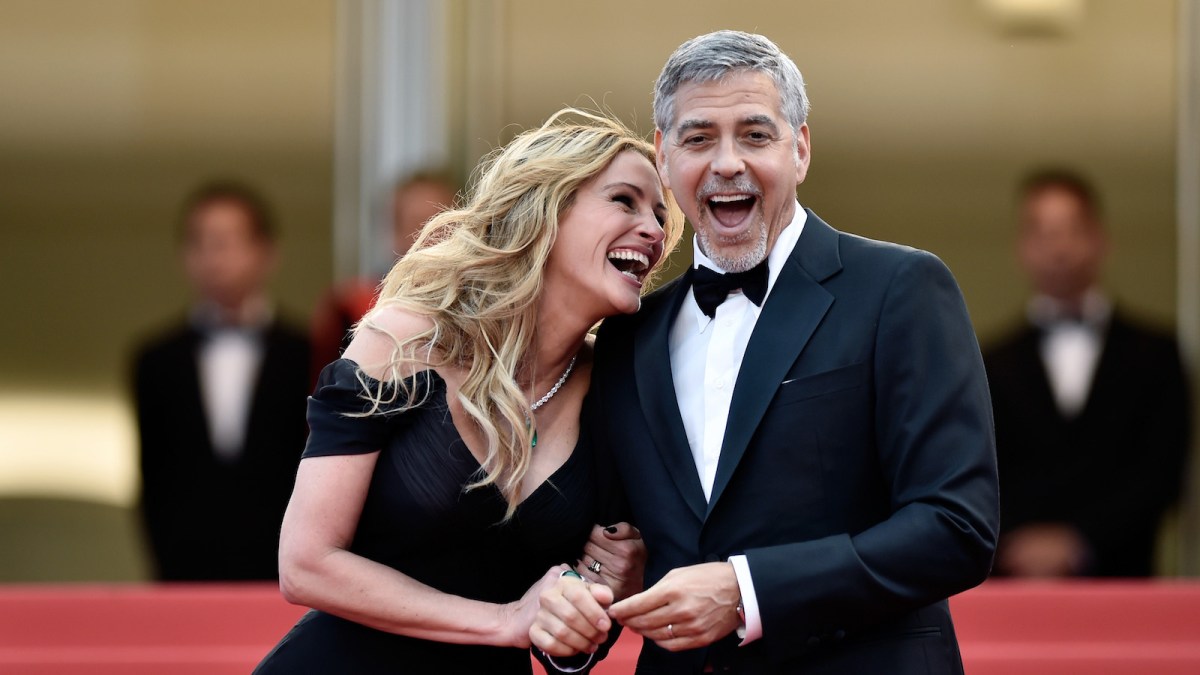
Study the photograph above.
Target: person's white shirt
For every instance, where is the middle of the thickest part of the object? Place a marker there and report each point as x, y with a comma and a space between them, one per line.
706, 357
228, 362
1071, 346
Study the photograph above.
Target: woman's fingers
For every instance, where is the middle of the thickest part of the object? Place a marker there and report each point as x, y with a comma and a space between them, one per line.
570, 619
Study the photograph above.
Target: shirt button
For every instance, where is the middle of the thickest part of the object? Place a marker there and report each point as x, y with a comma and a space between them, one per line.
727, 323
719, 384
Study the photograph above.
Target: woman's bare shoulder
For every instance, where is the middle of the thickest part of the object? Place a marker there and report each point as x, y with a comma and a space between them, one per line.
383, 331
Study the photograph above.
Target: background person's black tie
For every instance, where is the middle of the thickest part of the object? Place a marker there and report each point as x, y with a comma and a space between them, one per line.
711, 287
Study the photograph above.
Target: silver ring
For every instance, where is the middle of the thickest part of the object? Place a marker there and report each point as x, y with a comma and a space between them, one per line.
671, 631
594, 568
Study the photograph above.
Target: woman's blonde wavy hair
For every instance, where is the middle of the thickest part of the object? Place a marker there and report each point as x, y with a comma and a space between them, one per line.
477, 272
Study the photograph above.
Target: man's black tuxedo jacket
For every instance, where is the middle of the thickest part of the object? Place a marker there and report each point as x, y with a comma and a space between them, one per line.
857, 472
1112, 470
208, 519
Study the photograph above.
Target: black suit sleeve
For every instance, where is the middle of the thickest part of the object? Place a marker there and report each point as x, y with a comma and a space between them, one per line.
935, 445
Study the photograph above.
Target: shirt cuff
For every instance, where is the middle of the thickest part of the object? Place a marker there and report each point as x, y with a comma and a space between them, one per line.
754, 629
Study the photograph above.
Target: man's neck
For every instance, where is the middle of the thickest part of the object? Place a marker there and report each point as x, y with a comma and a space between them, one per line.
253, 311
1091, 306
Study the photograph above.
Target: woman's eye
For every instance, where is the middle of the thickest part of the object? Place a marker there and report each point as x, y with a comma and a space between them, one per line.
624, 199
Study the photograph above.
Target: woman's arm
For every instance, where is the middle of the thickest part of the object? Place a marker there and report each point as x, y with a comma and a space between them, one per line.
317, 570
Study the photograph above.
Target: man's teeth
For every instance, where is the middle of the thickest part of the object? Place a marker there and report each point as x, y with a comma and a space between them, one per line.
729, 198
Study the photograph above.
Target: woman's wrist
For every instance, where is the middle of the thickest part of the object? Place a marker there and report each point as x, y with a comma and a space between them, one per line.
502, 630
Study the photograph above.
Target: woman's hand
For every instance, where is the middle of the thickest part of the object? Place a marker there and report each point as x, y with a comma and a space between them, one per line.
516, 618
572, 618
616, 557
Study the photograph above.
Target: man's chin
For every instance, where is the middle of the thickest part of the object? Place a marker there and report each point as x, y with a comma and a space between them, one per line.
737, 258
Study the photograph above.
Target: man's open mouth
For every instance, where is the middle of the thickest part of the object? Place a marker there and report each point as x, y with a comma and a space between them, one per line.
731, 211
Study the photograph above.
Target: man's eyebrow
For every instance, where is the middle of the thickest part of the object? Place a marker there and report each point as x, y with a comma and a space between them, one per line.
690, 125
764, 120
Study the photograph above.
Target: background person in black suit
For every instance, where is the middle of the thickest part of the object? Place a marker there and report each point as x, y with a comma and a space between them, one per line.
814, 471
220, 401
1091, 408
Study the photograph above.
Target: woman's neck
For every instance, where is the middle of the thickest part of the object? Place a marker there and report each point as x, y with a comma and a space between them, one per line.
558, 339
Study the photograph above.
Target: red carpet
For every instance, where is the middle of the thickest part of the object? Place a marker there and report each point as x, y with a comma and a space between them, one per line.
1005, 627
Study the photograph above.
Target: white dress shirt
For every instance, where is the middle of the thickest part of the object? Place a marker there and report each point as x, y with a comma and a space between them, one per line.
228, 362
1070, 347
706, 357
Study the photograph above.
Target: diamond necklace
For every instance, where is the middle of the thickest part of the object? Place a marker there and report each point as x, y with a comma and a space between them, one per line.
557, 385
549, 395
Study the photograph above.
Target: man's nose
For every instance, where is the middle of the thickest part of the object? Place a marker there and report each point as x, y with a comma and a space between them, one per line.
728, 161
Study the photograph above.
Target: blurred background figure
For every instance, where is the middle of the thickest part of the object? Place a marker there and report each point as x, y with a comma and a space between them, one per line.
1091, 408
416, 198
220, 401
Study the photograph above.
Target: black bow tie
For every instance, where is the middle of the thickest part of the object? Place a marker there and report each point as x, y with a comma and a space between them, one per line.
711, 288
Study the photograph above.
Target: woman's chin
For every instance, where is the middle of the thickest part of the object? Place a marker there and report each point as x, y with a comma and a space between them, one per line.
630, 306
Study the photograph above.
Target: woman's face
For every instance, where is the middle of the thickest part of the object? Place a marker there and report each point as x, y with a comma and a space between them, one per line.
609, 239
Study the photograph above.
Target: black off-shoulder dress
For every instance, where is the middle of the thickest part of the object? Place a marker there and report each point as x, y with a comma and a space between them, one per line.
419, 519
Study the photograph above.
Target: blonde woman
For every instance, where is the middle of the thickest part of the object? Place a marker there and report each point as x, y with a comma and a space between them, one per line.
442, 488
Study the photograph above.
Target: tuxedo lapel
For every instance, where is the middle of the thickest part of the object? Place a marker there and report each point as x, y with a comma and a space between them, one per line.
1114, 344
656, 391
190, 388
791, 314
1032, 372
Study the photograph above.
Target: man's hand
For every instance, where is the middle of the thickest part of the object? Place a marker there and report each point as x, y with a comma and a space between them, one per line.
571, 617
620, 555
1042, 550
690, 607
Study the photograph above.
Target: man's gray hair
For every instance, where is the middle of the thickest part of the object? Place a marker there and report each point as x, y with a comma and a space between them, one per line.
712, 57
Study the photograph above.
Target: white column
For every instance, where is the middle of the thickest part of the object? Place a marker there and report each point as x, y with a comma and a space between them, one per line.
1188, 214
390, 118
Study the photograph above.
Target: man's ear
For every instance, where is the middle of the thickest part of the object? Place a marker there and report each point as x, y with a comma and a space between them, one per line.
803, 153
660, 159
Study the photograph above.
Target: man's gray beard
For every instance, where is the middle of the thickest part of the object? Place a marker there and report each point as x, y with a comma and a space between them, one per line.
738, 263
